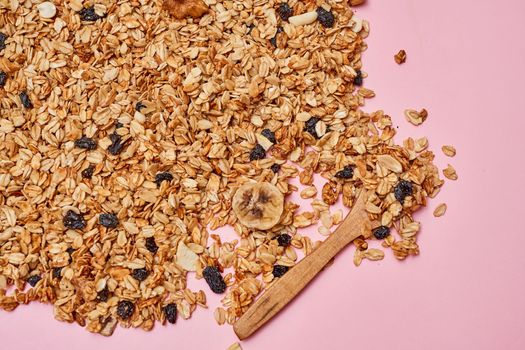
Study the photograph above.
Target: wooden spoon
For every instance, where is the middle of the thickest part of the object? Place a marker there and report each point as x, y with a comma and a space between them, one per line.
289, 285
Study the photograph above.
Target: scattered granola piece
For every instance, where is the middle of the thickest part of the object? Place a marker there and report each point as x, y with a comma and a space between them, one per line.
356, 2
330, 192
448, 150
450, 172
185, 8
440, 210
235, 346
401, 57
374, 254
415, 117
186, 257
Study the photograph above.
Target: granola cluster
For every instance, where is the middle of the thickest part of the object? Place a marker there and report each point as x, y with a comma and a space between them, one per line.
171, 116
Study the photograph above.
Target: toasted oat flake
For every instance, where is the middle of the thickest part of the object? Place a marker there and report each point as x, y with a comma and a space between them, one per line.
448, 150
450, 172
440, 210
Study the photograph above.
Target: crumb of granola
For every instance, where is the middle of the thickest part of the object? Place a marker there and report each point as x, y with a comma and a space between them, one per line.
449, 151
440, 210
400, 57
185, 8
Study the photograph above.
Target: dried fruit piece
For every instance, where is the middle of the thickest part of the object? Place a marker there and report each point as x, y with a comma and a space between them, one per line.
74, 221
33, 280
185, 8
88, 14
275, 168
273, 40
3, 38
403, 189
24, 98
139, 105
125, 309
279, 270
284, 239
151, 245
103, 295
116, 144
440, 210
390, 163
170, 312
346, 173
326, 18
108, 220
258, 205
88, 172
448, 150
3, 78
258, 152
214, 279
86, 143
310, 126
381, 232
140, 274
57, 272
285, 11
269, 135
186, 257
358, 79
164, 176
401, 57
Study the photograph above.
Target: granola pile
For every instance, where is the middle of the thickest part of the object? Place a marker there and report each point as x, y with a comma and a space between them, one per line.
125, 134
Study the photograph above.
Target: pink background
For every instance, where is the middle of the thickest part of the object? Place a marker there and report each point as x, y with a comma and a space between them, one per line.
467, 288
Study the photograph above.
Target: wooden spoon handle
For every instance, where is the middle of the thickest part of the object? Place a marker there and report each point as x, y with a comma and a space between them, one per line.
289, 285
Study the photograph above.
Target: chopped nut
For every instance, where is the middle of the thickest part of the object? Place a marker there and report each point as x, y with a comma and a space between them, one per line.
401, 57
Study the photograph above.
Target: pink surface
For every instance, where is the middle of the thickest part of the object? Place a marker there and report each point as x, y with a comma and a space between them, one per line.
466, 290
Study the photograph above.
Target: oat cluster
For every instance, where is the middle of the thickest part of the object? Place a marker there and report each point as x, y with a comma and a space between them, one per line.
124, 134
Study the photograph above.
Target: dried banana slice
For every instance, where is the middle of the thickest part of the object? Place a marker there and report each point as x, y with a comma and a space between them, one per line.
258, 205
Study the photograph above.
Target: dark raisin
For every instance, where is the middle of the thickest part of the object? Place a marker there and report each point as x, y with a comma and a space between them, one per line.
139, 105
381, 232
214, 279
57, 272
279, 270
284, 240
116, 144
310, 126
170, 311
358, 79
257, 152
88, 172
269, 135
151, 245
3, 38
74, 221
24, 98
86, 143
3, 78
118, 125
402, 190
108, 220
285, 11
88, 14
70, 251
103, 295
250, 28
140, 274
346, 173
33, 280
125, 309
164, 176
275, 168
325, 17
273, 40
